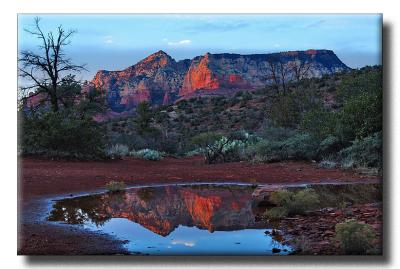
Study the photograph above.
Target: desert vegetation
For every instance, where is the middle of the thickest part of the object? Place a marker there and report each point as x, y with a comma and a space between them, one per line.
355, 238
335, 120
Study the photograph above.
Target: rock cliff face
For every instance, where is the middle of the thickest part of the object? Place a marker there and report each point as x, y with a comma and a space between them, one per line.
159, 79
156, 79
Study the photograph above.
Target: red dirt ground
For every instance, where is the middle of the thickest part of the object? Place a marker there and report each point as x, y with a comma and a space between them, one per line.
39, 178
45, 177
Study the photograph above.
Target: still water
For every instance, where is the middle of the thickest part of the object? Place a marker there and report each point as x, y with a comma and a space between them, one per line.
177, 220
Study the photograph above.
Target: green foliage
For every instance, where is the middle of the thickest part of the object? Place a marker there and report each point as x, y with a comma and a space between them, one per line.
117, 151
193, 152
284, 111
143, 118
115, 186
91, 103
68, 89
327, 163
64, 134
354, 237
216, 147
361, 116
298, 146
206, 142
276, 213
148, 154
293, 203
319, 122
366, 152
265, 151
301, 146
329, 146
365, 80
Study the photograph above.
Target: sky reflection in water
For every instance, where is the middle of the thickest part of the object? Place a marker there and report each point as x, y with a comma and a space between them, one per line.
175, 220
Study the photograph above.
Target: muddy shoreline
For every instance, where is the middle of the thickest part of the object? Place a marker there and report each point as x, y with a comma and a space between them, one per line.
42, 179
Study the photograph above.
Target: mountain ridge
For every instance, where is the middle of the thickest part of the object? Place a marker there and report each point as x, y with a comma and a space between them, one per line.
159, 79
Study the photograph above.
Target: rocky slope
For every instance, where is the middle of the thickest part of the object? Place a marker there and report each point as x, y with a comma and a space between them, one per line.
156, 79
159, 79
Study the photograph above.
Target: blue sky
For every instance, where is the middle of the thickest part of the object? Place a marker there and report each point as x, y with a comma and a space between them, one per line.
114, 42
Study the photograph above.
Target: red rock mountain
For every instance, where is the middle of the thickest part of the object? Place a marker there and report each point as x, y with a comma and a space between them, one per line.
159, 79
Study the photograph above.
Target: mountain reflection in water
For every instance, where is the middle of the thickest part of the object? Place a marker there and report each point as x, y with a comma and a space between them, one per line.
166, 220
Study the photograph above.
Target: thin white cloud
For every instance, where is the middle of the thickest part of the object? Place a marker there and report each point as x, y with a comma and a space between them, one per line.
185, 243
184, 42
108, 39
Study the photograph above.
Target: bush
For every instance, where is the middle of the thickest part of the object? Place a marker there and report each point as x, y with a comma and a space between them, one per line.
361, 116
64, 134
368, 79
276, 213
194, 152
265, 151
319, 122
329, 146
270, 132
294, 202
301, 146
285, 111
354, 237
148, 154
115, 186
327, 163
117, 151
366, 152
218, 148
232, 150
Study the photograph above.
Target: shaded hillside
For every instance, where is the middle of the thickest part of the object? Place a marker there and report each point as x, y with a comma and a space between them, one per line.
337, 118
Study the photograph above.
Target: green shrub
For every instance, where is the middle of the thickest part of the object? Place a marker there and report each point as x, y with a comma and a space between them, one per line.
115, 186
329, 146
301, 146
354, 237
276, 213
294, 202
265, 151
216, 147
361, 116
194, 152
366, 80
328, 163
366, 152
319, 122
64, 134
148, 154
117, 151
285, 111
233, 150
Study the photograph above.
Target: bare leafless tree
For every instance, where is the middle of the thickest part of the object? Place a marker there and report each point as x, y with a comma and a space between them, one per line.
48, 68
278, 73
300, 69
282, 73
